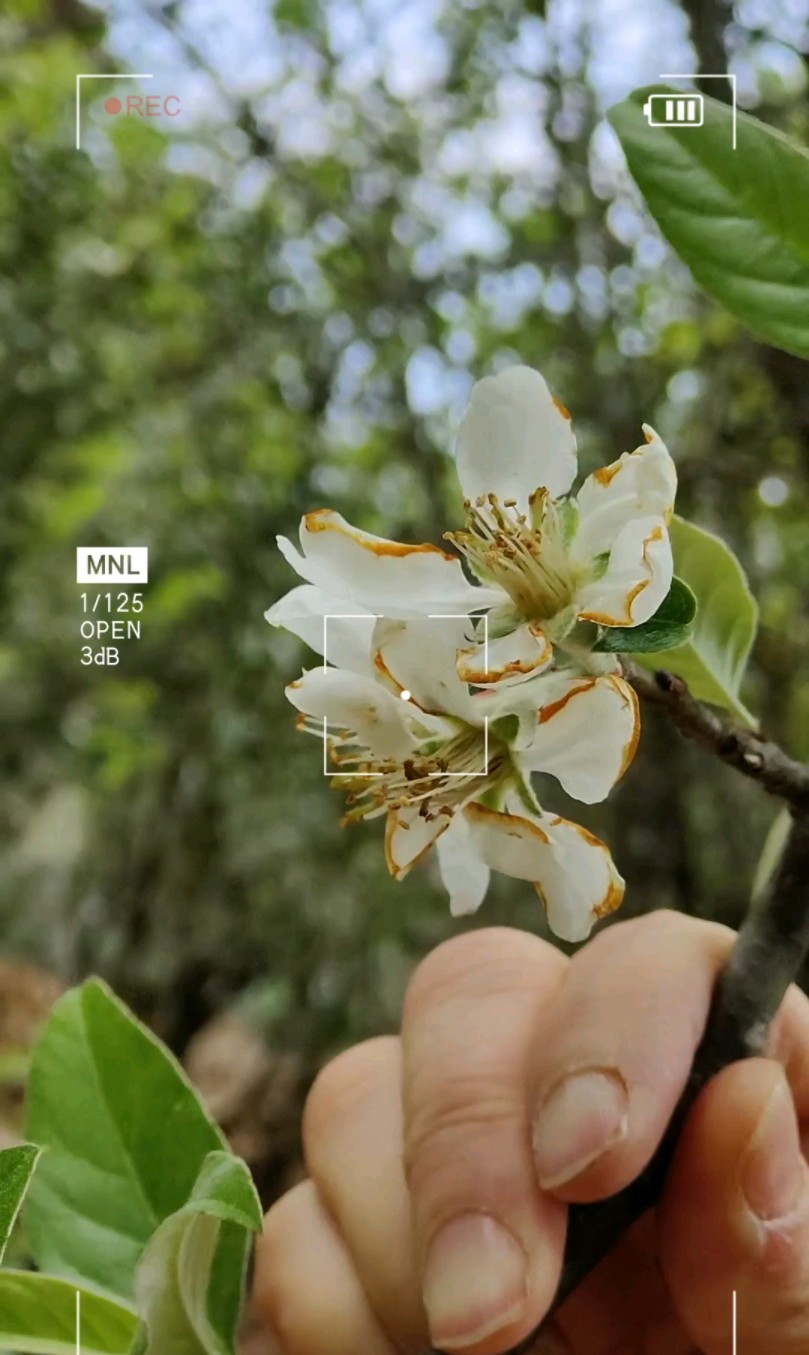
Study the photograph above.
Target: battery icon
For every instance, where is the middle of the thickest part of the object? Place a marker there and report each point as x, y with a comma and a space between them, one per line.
665, 110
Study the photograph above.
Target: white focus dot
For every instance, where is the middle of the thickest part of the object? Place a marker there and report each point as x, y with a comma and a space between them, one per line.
405, 694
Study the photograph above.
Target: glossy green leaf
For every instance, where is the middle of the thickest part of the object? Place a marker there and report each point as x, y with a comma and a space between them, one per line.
126, 1139
173, 1285
669, 628
38, 1314
714, 658
17, 1166
738, 218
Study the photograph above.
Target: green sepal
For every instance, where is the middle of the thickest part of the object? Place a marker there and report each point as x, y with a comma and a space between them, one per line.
526, 794
506, 727
667, 629
568, 514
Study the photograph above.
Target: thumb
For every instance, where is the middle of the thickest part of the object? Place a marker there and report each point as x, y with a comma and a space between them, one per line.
735, 1216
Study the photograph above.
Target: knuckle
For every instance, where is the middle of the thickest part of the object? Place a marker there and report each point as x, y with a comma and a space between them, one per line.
655, 932
663, 925
657, 928
484, 960
450, 1138
344, 1086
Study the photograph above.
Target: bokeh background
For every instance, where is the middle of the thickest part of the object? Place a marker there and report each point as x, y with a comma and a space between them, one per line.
279, 299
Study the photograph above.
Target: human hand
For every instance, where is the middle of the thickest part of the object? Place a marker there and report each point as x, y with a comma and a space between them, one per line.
441, 1162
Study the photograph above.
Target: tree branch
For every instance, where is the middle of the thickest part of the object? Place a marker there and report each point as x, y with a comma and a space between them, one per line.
744, 749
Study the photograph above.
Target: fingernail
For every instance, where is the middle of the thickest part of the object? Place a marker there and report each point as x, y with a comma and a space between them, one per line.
580, 1119
774, 1174
475, 1281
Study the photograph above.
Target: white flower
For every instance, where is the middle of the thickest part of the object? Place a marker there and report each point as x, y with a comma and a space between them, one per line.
544, 560
452, 768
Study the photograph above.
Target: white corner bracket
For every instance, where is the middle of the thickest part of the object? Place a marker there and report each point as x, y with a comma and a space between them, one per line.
692, 75
431, 616
92, 75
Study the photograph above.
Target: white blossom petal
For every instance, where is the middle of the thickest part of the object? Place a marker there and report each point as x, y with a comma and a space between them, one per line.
571, 870
582, 884
514, 439
408, 838
507, 660
385, 577
418, 656
586, 737
642, 483
349, 701
637, 578
522, 700
341, 631
465, 875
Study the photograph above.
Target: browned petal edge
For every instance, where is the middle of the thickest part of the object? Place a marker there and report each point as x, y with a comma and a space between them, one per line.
391, 824
382, 667
495, 675
614, 896
563, 410
612, 901
322, 520
624, 689
483, 813
606, 474
600, 618
546, 713
628, 691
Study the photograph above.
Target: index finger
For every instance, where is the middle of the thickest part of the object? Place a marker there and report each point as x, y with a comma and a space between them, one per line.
488, 1241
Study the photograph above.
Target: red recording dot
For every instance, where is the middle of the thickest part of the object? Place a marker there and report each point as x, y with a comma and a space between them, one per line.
112, 105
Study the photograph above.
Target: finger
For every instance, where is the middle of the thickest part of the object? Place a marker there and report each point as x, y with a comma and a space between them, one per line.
735, 1215
352, 1133
615, 1050
306, 1288
488, 1242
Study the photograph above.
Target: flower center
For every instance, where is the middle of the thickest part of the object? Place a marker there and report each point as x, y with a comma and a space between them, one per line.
437, 778
526, 557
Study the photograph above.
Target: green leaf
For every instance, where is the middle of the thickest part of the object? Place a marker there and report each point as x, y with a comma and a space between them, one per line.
771, 854
738, 218
38, 1314
14, 1064
17, 1166
126, 1139
173, 1285
669, 628
713, 660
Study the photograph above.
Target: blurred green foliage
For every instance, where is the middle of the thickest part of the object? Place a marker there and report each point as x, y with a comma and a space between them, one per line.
207, 331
